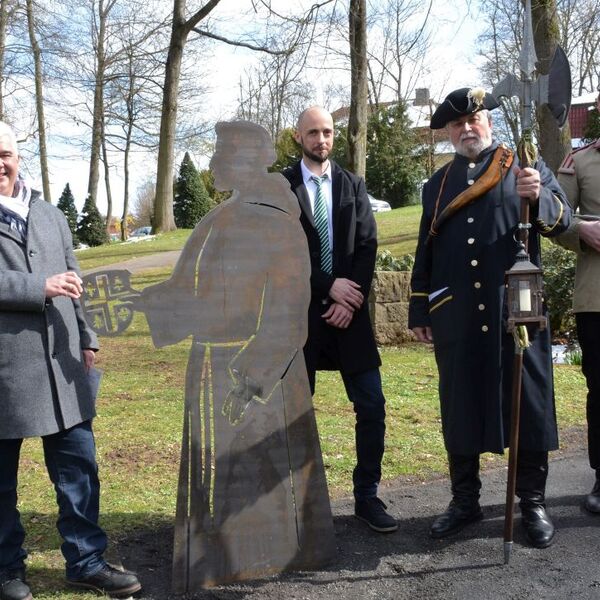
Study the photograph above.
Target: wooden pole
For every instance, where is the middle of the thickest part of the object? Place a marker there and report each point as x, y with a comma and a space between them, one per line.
513, 450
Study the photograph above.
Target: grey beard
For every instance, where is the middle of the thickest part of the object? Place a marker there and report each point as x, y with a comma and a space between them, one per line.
472, 151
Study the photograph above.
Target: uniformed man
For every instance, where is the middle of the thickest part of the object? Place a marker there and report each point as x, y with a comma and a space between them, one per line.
579, 176
471, 210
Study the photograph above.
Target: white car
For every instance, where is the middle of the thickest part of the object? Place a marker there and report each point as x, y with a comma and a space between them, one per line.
378, 205
142, 231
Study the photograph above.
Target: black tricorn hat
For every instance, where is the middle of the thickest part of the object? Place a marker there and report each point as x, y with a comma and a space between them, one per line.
461, 102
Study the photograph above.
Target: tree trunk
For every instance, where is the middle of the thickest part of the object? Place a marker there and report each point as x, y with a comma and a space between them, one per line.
39, 100
163, 208
106, 179
98, 109
163, 202
357, 122
3, 25
555, 143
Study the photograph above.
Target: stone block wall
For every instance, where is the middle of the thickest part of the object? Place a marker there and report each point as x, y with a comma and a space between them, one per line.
388, 307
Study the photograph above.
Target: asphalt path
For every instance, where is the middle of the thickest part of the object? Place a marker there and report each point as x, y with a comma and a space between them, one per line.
143, 263
408, 564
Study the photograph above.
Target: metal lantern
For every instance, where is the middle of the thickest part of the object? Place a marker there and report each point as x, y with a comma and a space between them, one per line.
524, 283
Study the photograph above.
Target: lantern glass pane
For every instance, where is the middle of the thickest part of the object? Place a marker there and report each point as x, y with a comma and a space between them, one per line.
524, 295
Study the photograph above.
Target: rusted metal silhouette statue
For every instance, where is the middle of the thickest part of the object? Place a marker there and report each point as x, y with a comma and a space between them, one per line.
252, 496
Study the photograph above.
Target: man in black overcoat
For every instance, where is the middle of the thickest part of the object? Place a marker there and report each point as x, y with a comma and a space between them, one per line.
342, 239
458, 302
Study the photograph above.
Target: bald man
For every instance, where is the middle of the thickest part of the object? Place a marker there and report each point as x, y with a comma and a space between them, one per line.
342, 239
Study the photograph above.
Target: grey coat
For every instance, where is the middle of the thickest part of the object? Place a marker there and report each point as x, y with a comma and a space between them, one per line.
43, 384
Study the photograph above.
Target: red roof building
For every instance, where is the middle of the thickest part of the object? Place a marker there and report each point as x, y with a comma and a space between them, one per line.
579, 114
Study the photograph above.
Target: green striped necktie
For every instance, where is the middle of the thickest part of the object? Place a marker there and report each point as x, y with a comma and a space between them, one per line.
321, 223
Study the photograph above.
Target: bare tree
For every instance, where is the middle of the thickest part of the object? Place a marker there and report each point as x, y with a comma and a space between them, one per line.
143, 204
276, 91
357, 121
99, 36
555, 143
579, 26
397, 47
181, 28
39, 99
7, 8
133, 96
574, 24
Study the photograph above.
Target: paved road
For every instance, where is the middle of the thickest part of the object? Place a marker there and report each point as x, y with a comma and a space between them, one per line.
409, 565
143, 263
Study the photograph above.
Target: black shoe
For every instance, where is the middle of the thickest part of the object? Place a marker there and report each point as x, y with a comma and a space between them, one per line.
110, 581
13, 586
456, 518
372, 512
539, 529
592, 500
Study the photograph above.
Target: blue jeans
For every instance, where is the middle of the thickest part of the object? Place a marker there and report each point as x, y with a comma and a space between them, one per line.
70, 458
365, 392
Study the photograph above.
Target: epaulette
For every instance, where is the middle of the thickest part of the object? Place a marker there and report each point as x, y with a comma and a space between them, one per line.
568, 164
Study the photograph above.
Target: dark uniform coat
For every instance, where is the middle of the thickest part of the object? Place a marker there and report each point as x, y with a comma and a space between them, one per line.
43, 384
351, 350
458, 289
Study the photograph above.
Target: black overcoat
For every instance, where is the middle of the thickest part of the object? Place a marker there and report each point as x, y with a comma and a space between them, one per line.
458, 289
351, 350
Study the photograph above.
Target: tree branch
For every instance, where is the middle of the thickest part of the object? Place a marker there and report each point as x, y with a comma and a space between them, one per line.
214, 36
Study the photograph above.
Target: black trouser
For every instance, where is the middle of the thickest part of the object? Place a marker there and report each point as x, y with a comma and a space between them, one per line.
588, 333
532, 471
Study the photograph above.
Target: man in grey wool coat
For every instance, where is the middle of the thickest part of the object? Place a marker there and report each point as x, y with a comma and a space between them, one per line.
46, 351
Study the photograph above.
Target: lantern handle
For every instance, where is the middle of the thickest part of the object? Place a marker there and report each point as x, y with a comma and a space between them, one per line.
518, 237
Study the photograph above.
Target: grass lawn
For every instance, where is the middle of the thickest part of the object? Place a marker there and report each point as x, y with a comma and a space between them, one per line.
138, 428
397, 232
121, 251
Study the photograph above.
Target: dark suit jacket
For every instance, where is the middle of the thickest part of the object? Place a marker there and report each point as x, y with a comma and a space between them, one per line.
350, 350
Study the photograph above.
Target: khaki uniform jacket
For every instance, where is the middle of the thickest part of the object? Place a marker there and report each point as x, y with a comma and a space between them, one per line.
579, 177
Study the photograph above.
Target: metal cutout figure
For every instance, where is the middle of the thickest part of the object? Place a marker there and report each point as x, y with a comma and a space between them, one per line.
252, 497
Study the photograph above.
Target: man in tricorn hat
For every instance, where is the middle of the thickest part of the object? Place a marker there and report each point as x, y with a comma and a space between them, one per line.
579, 175
471, 209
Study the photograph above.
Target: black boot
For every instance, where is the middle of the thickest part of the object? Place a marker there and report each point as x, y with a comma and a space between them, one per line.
592, 500
532, 472
464, 507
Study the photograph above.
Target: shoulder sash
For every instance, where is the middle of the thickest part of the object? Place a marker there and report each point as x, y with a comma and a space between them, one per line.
497, 169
